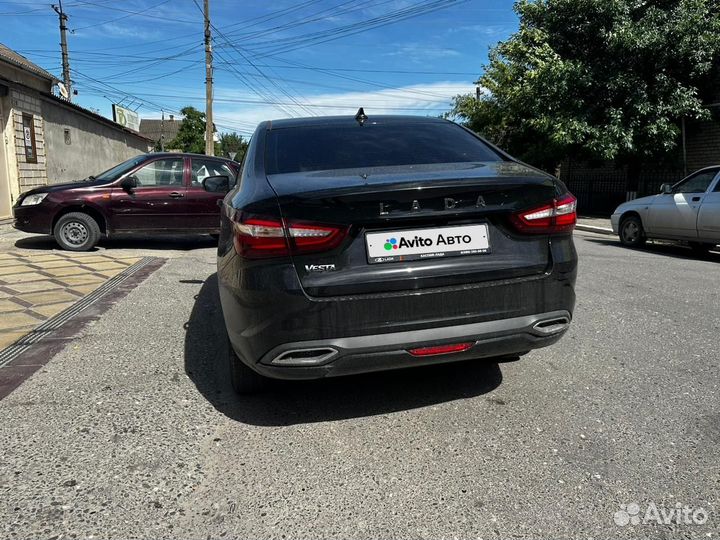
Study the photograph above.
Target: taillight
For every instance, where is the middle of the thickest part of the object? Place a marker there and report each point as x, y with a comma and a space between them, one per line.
559, 216
260, 237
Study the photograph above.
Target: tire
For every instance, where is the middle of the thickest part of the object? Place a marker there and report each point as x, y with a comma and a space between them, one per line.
77, 231
243, 378
632, 233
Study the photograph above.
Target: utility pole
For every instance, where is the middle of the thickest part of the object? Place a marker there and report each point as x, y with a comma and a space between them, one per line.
209, 139
162, 132
63, 46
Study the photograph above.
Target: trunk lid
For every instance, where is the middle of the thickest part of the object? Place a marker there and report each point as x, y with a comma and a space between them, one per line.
418, 199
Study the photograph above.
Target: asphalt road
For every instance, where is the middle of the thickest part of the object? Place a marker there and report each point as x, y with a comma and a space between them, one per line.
132, 430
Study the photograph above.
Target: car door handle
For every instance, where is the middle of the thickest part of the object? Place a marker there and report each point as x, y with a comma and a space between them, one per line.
696, 199
176, 195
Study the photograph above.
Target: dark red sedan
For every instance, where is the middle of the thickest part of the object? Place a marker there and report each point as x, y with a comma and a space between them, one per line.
149, 194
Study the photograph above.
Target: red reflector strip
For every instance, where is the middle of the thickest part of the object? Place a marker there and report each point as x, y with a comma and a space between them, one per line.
441, 349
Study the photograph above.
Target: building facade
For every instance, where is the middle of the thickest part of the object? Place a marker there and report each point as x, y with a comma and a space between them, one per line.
48, 140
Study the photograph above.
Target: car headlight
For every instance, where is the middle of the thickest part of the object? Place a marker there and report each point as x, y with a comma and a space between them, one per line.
31, 200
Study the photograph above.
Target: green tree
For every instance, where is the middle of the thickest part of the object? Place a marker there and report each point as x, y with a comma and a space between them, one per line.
191, 135
603, 79
231, 143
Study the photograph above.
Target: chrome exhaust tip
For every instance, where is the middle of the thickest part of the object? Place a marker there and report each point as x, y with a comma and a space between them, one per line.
549, 327
304, 357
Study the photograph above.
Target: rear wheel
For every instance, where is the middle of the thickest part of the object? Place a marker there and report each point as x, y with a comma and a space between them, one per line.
632, 233
77, 231
244, 379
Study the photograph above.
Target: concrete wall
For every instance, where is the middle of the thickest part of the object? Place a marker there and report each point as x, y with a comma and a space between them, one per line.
93, 146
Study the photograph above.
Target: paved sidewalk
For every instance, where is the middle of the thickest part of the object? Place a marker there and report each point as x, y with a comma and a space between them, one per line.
594, 224
38, 280
35, 286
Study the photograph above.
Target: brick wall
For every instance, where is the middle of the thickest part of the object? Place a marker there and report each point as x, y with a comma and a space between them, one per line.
30, 175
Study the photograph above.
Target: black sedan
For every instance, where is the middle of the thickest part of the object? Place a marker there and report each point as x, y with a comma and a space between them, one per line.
356, 244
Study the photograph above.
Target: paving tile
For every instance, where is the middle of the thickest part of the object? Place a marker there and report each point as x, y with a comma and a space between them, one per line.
10, 261
7, 306
17, 320
54, 264
49, 297
8, 338
110, 265
22, 278
107, 274
86, 279
34, 286
42, 257
7, 255
86, 289
14, 269
52, 309
90, 259
69, 271
131, 259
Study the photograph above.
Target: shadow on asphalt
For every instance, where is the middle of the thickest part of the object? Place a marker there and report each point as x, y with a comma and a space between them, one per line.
670, 250
159, 242
297, 402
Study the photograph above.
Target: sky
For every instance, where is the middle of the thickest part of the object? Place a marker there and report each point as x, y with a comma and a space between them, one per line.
287, 58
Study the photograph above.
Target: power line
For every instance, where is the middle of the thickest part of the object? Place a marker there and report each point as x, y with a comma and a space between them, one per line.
281, 45
260, 72
129, 14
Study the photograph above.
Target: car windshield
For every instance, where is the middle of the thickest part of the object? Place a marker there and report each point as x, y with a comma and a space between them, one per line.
118, 170
319, 148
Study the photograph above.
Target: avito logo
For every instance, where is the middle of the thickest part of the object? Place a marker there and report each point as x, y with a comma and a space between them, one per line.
419, 241
391, 243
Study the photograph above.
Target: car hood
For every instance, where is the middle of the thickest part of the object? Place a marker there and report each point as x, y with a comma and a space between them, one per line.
51, 188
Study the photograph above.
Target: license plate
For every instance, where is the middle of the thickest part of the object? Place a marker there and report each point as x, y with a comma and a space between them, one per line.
416, 244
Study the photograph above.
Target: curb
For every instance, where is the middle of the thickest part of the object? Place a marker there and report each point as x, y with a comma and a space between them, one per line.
592, 228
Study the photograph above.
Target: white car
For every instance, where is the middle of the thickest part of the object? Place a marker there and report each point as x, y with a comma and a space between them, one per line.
688, 211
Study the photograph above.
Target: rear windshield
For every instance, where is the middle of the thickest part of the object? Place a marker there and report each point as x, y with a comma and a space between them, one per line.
321, 148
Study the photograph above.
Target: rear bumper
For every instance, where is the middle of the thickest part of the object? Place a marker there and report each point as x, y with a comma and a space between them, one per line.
615, 223
367, 353
267, 312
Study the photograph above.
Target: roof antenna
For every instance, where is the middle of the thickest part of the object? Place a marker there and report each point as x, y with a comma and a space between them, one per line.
360, 117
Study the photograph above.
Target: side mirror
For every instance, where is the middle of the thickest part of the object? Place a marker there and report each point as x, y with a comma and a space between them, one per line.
666, 189
216, 184
129, 183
